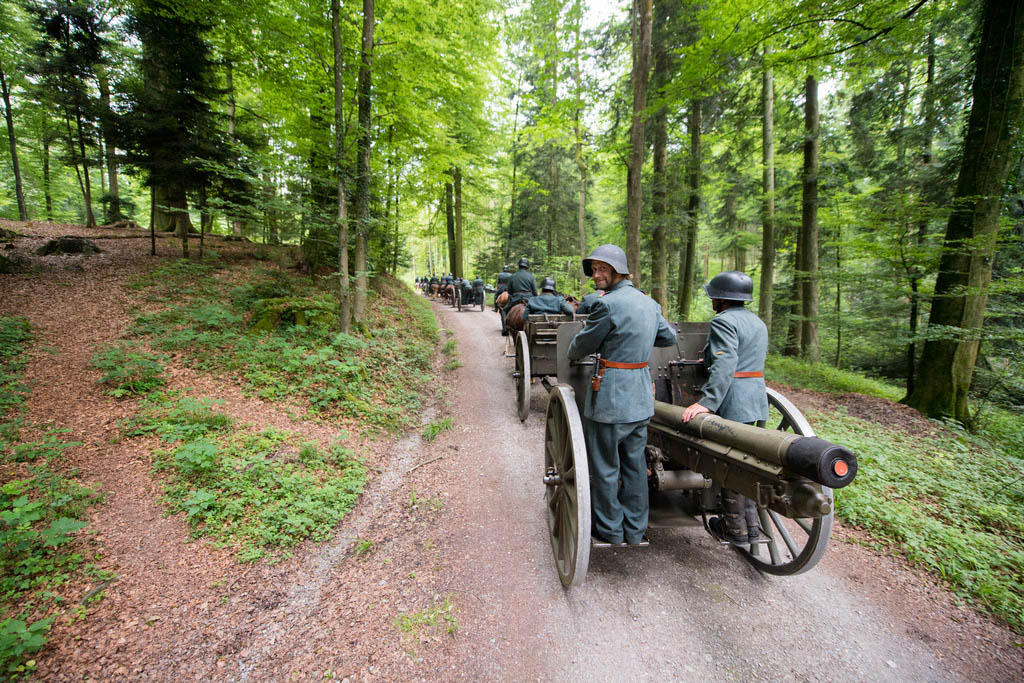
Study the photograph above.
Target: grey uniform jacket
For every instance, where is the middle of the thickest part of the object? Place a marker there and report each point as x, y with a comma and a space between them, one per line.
624, 326
547, 303
737, 342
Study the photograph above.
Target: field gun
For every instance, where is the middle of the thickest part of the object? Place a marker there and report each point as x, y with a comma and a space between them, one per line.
787, 471
775, 469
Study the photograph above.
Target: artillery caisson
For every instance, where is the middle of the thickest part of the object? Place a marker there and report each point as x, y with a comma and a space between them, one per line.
536, 353
787, 471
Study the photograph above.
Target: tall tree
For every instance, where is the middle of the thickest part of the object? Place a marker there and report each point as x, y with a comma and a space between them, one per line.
9, 118
344, 308
688, 254
809, 225
664, 63
764, 299
70, 50
362, 198
172, 126
641, 33
459, 236
991, 147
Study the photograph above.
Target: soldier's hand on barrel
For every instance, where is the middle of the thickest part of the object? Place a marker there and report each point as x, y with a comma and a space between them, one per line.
693, 411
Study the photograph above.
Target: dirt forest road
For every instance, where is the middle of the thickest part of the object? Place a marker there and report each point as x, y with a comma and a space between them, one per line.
452, 528
683, 609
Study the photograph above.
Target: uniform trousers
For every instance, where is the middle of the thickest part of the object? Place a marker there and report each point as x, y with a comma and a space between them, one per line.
616, 454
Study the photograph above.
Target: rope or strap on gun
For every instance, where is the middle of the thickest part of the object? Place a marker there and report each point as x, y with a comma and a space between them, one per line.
595, 382
750, 373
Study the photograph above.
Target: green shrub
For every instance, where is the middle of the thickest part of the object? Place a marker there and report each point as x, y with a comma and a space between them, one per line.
15, 336
795, 372
375, 377
128, 370
949, 503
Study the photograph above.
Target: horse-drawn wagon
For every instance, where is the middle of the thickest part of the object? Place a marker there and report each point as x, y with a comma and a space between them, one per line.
784, 468
469, 294
536, 353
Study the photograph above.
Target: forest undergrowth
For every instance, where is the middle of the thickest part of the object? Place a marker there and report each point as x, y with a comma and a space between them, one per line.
43, 562
257, 490
951, 503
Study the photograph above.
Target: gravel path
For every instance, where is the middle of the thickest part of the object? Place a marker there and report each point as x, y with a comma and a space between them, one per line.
684, 608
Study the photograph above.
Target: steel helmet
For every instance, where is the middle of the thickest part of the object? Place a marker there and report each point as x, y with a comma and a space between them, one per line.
524, 262
505, 269
547, 283
732, 285
610, 254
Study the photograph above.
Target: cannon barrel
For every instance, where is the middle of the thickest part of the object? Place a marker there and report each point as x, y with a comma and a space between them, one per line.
816, 459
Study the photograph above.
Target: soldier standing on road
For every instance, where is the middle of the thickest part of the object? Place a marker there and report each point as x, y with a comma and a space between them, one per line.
521, 286
548, 301
624, 326
734, 356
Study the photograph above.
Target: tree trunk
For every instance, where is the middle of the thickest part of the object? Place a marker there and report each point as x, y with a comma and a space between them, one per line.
764, 298
363, 176
659, 181
809, 226
236, 223
344, 311
9, 117
927, 159
795, 327
965, 267
581, 166
515, 164
449, 214
170, 210
641, 23
204, 220
457, 178
90, 217
112, 207
152, 221
689, 258
47, 194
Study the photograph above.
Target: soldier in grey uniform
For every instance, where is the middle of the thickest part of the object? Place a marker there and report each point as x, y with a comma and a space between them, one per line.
624, 326
734, 356
521, 286
547, 301
587, 301
503, 277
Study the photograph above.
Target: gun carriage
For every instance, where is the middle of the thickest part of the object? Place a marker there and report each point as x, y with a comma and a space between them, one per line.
468, 295
784, 468
536, 354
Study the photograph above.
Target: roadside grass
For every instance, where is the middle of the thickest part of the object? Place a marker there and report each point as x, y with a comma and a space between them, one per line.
432, 621
259, 493
41, 509
274, 333
434, 428
952, 504
820, 377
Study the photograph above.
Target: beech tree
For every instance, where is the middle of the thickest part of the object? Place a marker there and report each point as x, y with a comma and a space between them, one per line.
991, 148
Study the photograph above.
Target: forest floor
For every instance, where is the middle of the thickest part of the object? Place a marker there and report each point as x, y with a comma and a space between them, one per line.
443, 569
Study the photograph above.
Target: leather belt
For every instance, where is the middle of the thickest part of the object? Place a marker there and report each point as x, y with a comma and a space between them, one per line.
752, 373
595, 381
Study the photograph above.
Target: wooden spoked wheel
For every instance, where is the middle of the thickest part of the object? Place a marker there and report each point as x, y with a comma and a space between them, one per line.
522, 376
794, 545
567, 483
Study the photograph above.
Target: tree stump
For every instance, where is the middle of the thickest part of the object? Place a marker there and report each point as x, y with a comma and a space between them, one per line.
69, 244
